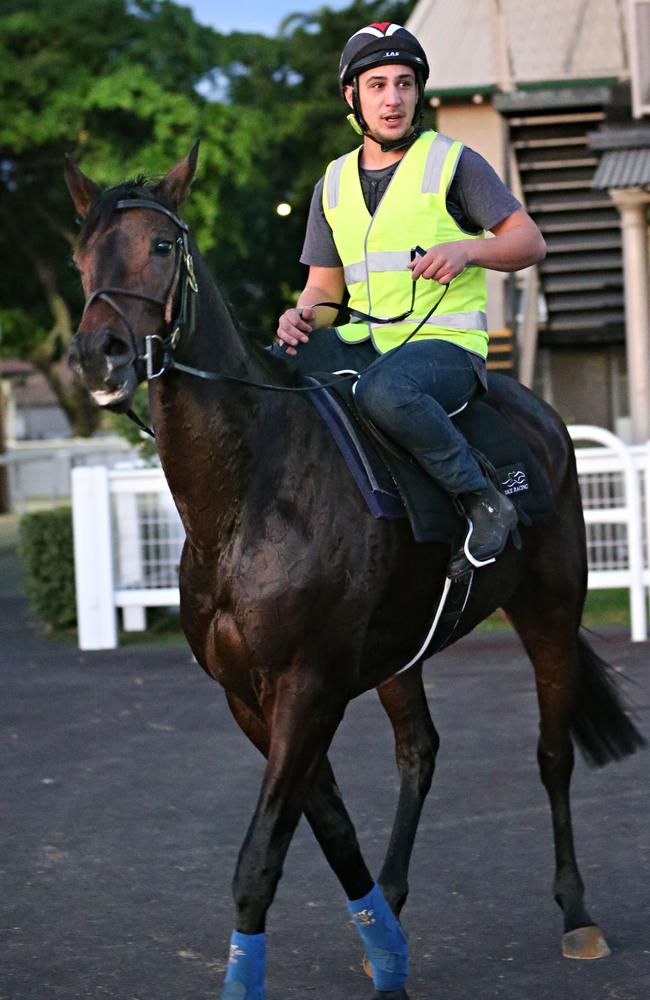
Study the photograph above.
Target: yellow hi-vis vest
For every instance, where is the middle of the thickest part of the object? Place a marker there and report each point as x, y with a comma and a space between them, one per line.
375, 250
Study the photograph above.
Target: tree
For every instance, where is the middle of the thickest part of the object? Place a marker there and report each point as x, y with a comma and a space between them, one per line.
113, 83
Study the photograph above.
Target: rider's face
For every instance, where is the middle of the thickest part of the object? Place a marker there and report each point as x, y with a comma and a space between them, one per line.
388, 96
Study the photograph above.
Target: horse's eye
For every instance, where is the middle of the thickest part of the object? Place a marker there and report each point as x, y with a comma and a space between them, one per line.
162, 247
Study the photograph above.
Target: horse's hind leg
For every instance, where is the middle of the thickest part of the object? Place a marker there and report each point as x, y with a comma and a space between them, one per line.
416, 746
550, 638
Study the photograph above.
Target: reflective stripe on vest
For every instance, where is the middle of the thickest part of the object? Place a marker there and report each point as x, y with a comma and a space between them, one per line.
455, 321
375, 251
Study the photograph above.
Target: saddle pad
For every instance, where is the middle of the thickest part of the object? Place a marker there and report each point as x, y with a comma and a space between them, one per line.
395, 486
362, 457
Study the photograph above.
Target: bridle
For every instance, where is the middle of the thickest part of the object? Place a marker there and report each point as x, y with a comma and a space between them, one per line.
183, 277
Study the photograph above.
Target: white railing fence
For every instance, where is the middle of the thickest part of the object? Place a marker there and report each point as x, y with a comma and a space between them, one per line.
127, 544
128, 536
39, 471
614, 487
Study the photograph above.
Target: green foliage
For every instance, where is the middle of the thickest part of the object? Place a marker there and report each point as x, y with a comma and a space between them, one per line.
47, 552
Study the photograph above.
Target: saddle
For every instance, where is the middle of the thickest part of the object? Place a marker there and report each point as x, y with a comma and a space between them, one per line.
395, 487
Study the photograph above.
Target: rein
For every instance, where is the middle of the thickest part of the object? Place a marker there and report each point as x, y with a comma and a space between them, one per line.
185, 320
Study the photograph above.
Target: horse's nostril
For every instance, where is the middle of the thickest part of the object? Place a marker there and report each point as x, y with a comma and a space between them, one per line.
114, 347
111, 345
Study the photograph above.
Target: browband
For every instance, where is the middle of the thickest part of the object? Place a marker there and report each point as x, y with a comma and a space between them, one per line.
154, 206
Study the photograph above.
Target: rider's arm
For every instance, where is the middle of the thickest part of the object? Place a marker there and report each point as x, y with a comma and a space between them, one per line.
324, 284
517, 243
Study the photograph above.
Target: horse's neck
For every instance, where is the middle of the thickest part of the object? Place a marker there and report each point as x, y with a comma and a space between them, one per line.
215, 344
205, 430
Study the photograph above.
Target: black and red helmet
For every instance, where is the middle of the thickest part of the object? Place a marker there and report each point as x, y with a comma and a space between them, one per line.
379, 44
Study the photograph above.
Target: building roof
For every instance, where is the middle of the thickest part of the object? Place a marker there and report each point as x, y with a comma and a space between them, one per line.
483, 45
11, 367
625, 160
28, 386
623, 168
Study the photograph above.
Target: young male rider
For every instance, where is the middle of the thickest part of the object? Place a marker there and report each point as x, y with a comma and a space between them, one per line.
407, 187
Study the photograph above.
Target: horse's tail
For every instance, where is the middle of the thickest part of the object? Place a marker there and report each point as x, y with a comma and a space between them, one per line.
601, 723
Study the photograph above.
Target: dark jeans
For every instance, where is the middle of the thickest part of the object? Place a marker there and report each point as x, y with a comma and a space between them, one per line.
408, 393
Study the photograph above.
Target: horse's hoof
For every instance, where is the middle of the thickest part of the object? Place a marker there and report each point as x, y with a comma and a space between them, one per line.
585, 943
233, 991
383, 994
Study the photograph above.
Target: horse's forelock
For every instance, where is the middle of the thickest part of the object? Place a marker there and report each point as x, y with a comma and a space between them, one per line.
102, 209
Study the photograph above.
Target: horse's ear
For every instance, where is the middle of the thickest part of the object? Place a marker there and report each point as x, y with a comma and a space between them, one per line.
175, 186
82, 190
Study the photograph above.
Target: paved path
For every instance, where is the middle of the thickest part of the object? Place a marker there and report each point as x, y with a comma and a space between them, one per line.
126, 791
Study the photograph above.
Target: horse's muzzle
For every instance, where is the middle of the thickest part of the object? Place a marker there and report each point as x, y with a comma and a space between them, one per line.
104, 363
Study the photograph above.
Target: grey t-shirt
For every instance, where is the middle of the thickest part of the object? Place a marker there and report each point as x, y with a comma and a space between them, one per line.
477, 199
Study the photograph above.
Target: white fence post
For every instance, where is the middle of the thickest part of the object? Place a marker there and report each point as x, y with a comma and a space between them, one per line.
630, 515
93, 557
128, 545
645, 515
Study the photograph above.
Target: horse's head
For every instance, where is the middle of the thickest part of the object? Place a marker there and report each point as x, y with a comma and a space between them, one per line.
137, 276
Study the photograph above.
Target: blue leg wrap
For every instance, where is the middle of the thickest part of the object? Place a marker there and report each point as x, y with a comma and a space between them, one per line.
385, 941
245, 975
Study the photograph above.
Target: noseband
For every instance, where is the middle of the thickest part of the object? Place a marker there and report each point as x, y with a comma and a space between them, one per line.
183, 276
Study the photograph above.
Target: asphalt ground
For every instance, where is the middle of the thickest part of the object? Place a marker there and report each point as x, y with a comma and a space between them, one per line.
127, 790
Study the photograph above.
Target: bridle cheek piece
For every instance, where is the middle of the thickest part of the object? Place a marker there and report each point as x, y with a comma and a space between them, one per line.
183, 276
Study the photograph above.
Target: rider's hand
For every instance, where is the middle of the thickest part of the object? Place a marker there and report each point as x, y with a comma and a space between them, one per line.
441, 263
294, 326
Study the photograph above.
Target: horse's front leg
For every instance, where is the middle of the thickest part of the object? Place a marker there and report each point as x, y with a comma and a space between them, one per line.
301, 719
326, 813
324, 809
416, 746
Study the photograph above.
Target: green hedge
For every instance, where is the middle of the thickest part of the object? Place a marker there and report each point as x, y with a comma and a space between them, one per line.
47, 552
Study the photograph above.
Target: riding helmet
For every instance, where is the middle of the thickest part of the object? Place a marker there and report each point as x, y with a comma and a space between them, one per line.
381, 44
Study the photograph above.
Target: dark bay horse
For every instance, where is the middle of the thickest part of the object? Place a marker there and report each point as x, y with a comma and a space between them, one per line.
296, 600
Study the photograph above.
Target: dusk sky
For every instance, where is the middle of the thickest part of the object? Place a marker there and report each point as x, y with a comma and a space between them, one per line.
254, 15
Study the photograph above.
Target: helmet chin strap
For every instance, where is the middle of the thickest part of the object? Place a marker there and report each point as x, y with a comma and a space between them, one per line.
393, 144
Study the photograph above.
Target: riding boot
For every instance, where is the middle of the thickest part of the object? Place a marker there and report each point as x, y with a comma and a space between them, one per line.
491, 518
